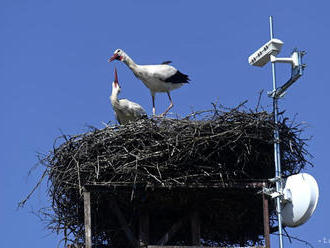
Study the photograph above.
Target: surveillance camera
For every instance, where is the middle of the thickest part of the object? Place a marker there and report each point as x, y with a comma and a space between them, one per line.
262, 55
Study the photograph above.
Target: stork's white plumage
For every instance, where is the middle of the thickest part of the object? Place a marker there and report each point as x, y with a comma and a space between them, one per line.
125, 110
158, 78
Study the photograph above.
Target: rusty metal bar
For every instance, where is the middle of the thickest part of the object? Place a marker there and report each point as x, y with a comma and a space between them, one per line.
266, 221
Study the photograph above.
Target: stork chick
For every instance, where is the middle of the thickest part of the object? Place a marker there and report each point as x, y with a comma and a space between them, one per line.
125, 110
158, 78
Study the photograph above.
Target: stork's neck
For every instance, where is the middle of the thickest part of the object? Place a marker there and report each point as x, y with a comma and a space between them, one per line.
114, 96
130, 63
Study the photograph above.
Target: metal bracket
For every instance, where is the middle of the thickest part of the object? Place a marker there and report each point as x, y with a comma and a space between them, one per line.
271, 192
275, 179
285, 195
293, 60
277, 140
296, 72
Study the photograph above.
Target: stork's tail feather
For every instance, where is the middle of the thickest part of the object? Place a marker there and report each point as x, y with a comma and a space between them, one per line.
178, 78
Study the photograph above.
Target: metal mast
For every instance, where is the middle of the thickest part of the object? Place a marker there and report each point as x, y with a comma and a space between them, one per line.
277, 155
261, 57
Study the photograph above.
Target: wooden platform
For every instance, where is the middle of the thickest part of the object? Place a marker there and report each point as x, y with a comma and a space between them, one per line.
141, 238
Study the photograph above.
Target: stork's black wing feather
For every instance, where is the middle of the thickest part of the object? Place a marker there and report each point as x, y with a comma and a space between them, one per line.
178, 78
167, 62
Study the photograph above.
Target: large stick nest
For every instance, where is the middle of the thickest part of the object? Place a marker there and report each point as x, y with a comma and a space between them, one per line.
155, 158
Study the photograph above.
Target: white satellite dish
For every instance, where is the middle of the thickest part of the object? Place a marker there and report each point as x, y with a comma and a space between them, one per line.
301, 194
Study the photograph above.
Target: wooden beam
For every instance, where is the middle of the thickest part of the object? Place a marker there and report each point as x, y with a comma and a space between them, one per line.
88, 219
177, 246
144, 228
107, 187
122, 221
195, 228
266, 221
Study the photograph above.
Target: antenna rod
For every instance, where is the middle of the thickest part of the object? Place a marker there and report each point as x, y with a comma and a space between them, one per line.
277, 156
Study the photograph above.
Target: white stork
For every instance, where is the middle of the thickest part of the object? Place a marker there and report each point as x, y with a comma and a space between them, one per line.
158, 78
125, 110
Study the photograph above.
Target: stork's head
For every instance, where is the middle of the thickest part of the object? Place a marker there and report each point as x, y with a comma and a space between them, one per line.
115, 85
118, 55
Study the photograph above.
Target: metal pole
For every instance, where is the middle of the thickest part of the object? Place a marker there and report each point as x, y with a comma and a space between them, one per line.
277, 156
266, 220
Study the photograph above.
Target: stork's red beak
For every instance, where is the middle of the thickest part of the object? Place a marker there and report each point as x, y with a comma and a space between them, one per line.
116, 77
115, 56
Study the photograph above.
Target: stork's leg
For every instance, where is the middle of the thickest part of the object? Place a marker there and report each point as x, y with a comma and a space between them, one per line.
153, 104
169, 107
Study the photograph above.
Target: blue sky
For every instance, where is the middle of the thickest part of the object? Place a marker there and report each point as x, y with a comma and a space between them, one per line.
55, 78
